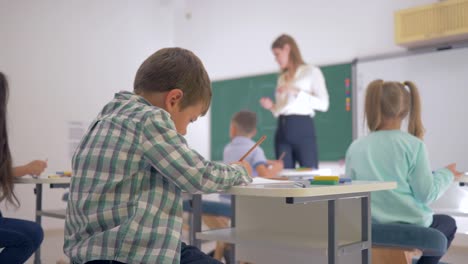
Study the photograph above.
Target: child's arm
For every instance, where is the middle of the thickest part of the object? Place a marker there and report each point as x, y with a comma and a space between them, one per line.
35, 167
169, 154
427, 186
271, 171
246, 166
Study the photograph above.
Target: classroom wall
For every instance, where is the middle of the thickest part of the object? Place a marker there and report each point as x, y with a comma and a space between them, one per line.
233, 38
65, 60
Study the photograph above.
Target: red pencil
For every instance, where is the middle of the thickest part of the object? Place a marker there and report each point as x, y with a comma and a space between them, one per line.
282, 155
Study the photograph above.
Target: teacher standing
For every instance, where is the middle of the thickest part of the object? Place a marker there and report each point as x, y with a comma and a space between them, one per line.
300, 91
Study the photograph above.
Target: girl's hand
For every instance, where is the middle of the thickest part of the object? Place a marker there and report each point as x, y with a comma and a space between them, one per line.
453, 168
266, 103
35, 167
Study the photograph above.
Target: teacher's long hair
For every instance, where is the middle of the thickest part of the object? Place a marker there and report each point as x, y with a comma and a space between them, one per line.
6, 170
295, 57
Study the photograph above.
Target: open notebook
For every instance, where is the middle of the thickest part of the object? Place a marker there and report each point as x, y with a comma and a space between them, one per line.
294, 174
260, 180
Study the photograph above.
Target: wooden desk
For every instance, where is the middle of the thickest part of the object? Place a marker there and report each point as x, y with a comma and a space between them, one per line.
38, 182
280, 223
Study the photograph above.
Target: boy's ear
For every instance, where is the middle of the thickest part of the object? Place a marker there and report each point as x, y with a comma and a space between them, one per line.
232, 130
173, 99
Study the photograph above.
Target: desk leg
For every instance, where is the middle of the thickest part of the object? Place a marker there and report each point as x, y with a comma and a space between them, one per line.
37, 256
232, 256
366, 229
196, 220
332, 234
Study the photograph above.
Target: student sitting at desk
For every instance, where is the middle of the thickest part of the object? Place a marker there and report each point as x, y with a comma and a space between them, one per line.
132, 165
389, 154
242, 129
19, 239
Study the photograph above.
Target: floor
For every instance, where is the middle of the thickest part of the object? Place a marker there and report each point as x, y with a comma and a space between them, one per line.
52, 249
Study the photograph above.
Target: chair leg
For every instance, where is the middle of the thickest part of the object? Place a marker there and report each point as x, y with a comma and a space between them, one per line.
217, 222
219, 250
381, 255
410, 254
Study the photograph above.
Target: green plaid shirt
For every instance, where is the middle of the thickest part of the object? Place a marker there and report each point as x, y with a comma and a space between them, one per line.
129, 172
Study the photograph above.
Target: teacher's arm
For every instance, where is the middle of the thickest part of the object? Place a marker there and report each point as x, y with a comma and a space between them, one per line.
268, 104
312, 89
318, 94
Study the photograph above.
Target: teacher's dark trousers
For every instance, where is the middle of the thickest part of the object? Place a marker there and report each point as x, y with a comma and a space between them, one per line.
295, 135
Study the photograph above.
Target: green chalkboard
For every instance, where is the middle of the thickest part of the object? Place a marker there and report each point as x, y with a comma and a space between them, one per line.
334, 127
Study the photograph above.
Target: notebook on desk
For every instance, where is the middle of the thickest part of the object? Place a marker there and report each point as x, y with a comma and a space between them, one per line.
261, 180
299, 174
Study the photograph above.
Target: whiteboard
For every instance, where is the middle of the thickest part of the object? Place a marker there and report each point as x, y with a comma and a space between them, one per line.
442, 79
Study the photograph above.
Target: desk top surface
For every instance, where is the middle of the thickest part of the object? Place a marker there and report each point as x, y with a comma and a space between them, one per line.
287, 189
41, 180
279, 189
463, 178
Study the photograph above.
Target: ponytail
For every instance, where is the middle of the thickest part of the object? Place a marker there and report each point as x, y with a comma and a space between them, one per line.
415, 126
372, 109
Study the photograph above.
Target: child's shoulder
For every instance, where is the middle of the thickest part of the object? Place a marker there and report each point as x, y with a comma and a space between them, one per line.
387, 137
132, 111
398, 135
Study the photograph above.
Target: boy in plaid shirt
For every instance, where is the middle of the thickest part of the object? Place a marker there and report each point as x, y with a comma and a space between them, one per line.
131, 167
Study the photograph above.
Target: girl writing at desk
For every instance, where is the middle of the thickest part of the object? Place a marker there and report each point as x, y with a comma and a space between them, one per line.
19, 239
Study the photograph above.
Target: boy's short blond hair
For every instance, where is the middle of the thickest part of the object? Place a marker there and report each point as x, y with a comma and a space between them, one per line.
172, 68
245, 122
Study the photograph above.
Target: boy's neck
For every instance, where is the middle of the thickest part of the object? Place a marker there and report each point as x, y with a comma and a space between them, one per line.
391, 124
156, 99
244, 136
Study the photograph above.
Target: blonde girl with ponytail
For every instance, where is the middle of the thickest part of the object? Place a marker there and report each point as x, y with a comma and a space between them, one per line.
390, 154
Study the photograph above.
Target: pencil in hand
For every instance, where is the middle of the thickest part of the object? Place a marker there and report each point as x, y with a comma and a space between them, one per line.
253, 147
281, 157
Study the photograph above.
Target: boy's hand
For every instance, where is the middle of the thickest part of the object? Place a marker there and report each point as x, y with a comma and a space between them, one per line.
36, 167
246, 165
453, 168
276, 165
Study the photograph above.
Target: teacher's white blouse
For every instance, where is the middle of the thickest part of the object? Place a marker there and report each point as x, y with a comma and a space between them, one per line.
313, 95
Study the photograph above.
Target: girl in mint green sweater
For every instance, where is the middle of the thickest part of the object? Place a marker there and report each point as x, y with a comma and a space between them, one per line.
389, 154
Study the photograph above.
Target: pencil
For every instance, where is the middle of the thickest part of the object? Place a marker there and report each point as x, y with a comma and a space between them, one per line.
252, 148
282, 155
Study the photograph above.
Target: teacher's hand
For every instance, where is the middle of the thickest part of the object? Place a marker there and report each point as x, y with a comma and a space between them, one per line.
266, 103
